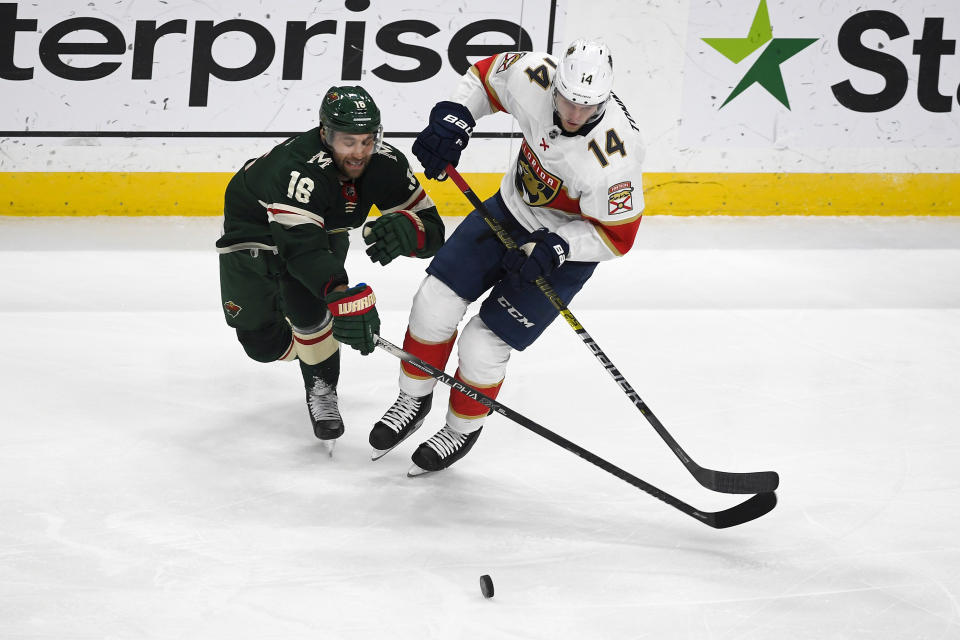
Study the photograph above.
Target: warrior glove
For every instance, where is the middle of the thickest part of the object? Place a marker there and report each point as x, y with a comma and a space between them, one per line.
445, 137
355, 317
400, 233
543, 252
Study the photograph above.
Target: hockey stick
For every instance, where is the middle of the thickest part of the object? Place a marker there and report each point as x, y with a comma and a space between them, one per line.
723, 481
751, 509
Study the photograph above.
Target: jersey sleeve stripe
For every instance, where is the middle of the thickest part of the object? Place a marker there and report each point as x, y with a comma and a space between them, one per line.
421, 202
288, 216
618, 237
483, 70
616, 223
418, 201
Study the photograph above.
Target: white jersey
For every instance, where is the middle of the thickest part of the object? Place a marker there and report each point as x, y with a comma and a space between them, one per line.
586, 187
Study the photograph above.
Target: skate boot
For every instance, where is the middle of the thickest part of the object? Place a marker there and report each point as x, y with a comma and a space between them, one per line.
324, 413
442, 450
403, 418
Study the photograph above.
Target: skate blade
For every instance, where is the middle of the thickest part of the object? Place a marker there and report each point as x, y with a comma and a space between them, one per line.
376, 454
416, 471
328, 446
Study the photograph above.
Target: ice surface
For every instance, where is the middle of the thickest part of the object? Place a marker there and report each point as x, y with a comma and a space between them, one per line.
155, 483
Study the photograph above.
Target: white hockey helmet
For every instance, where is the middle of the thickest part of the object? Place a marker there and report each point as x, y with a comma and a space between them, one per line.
585, 74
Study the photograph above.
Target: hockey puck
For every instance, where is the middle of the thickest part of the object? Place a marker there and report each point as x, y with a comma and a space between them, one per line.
486, 586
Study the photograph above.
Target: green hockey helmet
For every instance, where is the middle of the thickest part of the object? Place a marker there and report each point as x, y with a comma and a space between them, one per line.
350, 110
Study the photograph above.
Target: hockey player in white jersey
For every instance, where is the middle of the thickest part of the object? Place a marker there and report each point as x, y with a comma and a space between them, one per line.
573, 199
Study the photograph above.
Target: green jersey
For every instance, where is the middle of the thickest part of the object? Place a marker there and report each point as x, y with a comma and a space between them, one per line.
294, 201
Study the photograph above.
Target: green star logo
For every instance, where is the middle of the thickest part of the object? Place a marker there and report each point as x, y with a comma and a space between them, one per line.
766, 70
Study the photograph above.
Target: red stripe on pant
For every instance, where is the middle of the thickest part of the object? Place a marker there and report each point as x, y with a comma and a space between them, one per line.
469, 408
434, 354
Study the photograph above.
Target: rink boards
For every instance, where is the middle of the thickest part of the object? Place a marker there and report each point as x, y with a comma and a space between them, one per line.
681, 194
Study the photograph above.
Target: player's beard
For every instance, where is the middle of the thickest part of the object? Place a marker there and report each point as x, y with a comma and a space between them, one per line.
351, 171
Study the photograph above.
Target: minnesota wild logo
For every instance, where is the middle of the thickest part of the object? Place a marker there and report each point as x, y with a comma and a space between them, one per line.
766, 70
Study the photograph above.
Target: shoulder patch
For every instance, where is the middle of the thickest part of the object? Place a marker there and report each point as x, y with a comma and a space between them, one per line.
509, 59
621, 198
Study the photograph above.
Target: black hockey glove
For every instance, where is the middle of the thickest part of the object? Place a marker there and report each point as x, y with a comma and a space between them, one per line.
543, 252
400, 233
445, 137
355, 317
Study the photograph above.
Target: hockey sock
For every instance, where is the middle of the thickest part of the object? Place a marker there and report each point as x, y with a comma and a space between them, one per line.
327, 370
315, 344
433, 353
466, 414
291, 353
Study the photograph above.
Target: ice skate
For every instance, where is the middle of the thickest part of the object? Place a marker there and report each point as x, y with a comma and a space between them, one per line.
324, 410
442, 450
403, 418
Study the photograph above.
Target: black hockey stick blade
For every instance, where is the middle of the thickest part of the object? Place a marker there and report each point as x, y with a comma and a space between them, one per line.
752, 508
756, 506
733, 482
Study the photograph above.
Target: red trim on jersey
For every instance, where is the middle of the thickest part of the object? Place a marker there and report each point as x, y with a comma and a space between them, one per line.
468, 407
274, 212
435, 354
423, 194
621, 236
563, 202
483, 70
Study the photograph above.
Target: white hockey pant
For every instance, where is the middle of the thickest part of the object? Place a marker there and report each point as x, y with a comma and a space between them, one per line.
483, 357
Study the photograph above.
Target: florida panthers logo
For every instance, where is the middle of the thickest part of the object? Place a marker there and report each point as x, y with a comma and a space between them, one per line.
538, 186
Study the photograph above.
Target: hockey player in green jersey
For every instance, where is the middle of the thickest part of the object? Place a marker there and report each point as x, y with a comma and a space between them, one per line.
287, 215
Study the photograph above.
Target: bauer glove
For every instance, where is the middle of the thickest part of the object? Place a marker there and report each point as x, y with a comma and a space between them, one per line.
400, 233
445, 136
355, 317
543, 252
